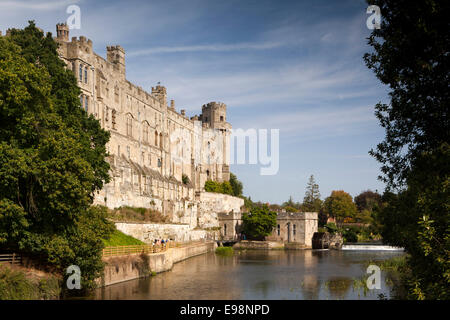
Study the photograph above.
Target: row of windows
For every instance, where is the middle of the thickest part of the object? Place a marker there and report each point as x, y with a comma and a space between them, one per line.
145, 132
142, 156
82, 70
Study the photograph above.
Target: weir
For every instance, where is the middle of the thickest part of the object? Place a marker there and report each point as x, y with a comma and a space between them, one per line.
372, 247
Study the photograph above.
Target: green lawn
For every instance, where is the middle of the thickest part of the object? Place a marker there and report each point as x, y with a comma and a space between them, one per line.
121, 239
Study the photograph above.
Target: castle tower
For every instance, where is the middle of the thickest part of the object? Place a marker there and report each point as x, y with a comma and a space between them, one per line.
62, 32
160, 93
215, 115
116, 55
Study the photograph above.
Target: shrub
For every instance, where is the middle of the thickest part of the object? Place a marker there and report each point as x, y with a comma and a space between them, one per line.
350, 235
224, 251
331, 227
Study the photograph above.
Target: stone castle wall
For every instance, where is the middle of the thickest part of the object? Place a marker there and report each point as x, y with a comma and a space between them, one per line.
152, 146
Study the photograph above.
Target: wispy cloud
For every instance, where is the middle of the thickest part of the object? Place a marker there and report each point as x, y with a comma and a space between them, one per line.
36, 5
209, 47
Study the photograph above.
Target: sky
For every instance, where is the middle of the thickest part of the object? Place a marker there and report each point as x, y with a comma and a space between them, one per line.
295, 66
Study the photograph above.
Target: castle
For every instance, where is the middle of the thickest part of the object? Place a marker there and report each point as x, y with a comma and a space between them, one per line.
159, 158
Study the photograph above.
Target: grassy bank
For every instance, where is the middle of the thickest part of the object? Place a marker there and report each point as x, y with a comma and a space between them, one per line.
119, 238
131, 214
21, 284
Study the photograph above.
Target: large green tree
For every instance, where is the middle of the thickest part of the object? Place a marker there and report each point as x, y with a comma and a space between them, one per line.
340, 205
52, 159
259, 222
411, 55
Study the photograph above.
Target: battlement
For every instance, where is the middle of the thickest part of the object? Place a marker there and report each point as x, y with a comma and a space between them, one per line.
115, 48
214, 105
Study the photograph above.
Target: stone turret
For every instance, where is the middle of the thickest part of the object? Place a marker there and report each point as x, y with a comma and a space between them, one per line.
215, 115
62, 32
116, 55
160, 93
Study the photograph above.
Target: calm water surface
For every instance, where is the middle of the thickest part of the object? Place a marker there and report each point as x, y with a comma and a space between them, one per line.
255, 274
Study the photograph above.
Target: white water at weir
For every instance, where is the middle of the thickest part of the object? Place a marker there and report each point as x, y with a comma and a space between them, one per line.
374, 247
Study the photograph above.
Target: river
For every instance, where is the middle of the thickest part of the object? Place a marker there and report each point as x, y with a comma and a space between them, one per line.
259, 274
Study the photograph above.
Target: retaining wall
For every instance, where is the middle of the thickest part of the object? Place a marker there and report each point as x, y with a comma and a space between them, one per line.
124, 268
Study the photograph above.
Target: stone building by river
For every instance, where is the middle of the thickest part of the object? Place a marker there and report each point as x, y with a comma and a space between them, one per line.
159, 157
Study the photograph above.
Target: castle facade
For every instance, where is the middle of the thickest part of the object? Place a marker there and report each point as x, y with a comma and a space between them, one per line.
159, 158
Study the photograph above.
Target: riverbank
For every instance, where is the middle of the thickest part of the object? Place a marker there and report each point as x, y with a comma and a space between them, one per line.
20, 283
124, 268
269, 245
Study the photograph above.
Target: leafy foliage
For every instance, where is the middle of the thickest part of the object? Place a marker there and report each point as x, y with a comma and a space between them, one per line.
52, 159
340, 205
411, 56
236, 185
259, 223
218, 187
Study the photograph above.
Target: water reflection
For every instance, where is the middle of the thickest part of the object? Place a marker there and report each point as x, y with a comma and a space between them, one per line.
257, 274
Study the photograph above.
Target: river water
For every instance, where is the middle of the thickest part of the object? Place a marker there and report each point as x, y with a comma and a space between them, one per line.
260, 274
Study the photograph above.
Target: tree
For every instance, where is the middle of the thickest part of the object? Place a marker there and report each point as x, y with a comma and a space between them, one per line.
367, 200
411, 55
340, 205
259, 223
418, 219
52, 159
236, 185
311, 201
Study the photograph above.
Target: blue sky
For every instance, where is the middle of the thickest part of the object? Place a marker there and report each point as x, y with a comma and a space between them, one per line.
291, 65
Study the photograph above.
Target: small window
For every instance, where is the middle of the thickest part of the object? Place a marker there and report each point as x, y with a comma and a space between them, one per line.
294, 229
86, 104
224, 229
221, 118
278, 229
118, 151
113, 119
81, 100
128, 152
85, 75
159, 163
80, 73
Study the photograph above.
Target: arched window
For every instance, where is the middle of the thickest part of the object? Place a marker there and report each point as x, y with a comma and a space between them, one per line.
129, 125
156, 138
160, 140
145, 131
